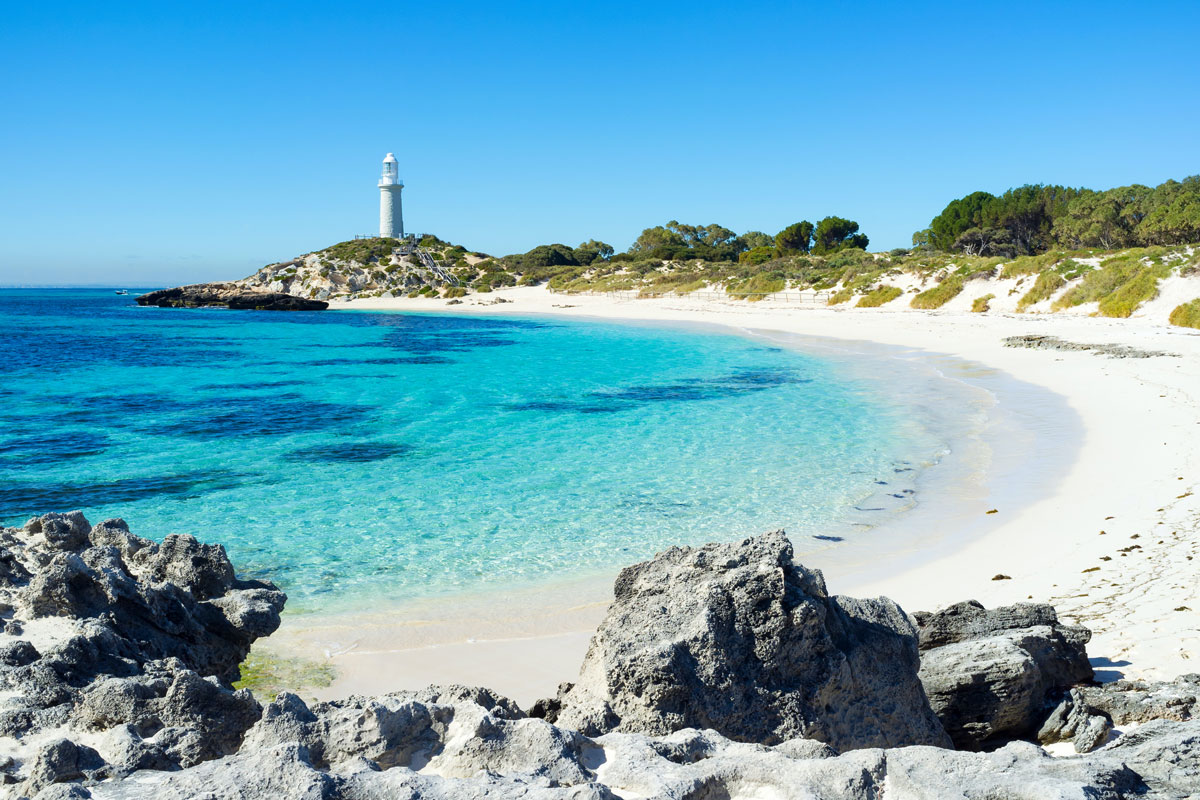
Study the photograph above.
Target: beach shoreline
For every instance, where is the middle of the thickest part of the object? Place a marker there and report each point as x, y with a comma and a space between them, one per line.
1131, 481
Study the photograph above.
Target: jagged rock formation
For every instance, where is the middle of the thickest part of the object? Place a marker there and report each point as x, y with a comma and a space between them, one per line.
117, 652
990, 673
448, 747
228, 295
737, 638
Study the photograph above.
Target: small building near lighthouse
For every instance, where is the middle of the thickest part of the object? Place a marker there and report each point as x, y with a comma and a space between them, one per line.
391, 213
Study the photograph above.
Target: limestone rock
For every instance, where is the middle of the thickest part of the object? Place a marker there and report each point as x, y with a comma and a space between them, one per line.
225, 295
145, 639
1072, 720
1164, 754
1137, 701
1086, 715
990, 673
737, 638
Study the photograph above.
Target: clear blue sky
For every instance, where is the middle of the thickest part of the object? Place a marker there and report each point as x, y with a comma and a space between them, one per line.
156, 143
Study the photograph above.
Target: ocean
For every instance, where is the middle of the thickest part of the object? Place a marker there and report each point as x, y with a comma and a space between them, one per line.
361, 458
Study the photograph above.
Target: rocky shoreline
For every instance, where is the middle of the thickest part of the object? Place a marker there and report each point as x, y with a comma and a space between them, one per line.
228, 295
725, 671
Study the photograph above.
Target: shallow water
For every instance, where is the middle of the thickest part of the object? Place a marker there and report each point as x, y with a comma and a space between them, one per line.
359, 458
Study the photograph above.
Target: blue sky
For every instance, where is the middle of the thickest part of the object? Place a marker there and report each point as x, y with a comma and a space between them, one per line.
156, 143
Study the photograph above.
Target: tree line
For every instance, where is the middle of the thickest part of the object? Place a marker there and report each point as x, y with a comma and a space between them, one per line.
677, 241
1035, 218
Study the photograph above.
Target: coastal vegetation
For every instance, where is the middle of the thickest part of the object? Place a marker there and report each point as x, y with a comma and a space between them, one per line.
1186, 315
1033, 219
1044, 287
981, 304
1055, 247
939, 295
879, 295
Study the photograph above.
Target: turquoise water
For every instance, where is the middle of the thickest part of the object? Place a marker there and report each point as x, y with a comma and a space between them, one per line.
359, 458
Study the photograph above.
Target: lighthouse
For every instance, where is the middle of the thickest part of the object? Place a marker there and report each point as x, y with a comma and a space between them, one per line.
391, 215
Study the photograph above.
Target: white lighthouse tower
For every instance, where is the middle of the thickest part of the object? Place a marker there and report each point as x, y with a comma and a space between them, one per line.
391, 215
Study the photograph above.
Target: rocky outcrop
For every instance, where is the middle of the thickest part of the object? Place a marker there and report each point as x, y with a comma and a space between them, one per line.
124, 643
452, 747
990, 674
738, 638
227, 295
116, 653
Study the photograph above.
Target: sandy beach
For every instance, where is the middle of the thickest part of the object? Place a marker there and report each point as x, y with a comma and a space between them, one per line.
1109, 538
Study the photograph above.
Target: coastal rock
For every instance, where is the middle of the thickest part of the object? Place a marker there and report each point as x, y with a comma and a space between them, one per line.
989, 673
737, 638
1043, 342
1138, 701
453, 730
128, 644
1164, 754
686, 765
227, 295
1086, 715
93, 711
1072, 721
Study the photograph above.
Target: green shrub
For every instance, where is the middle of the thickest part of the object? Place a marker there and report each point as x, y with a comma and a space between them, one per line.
1124, 301
1186, 315
757, 255
1043, 289
755, 287
939, 295
454, 291
361, 251
1121, 284
414, 293
878, 296
1031, 265
1071, 269
980, 304
840, 297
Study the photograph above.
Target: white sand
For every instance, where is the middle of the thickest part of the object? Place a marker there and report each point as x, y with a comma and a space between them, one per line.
1134, 480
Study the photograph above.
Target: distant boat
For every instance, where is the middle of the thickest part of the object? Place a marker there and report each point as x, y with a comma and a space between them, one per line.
122, 291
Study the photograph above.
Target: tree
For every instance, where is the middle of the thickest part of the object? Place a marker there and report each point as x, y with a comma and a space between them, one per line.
957, 217
592, 250
1027, 213
985, 242
837, 233
1172, 213
652, 238
676, 240
753, 239
1103, 219
796, 237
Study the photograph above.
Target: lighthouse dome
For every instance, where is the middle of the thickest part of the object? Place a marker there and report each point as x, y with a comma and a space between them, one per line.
389, 157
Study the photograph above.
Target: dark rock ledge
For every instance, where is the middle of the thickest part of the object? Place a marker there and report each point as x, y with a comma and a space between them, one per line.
725, 671
228, 295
